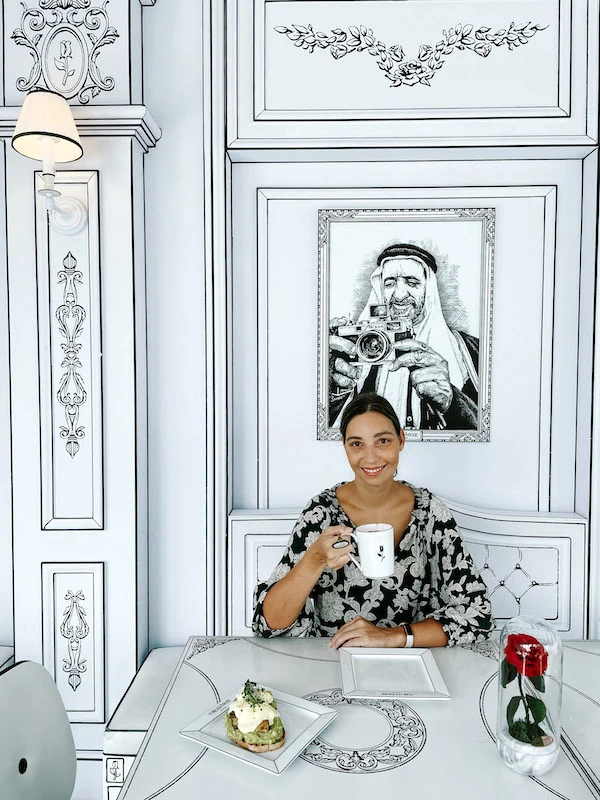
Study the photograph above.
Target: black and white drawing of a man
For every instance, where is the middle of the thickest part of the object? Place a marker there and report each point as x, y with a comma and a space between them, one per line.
402, 347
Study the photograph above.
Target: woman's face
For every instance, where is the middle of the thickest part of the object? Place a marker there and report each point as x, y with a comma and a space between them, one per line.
372, 447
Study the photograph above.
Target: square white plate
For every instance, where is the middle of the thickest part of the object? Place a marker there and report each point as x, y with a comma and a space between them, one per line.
380, 673
302, 720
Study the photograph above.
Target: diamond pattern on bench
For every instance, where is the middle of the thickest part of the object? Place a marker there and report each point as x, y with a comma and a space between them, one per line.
520, 580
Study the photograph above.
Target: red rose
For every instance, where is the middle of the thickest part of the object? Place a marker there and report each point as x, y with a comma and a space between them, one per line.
526, 654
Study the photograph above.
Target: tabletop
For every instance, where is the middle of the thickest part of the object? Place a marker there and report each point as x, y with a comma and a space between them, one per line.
444, 746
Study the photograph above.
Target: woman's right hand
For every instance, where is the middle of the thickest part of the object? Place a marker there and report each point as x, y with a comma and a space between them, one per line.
325, 554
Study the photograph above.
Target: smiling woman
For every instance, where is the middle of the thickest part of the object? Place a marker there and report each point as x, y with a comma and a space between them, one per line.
434, 597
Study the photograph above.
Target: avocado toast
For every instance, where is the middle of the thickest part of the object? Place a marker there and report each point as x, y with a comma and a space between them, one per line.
253, 721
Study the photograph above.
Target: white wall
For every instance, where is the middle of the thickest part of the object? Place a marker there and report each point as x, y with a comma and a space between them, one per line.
175, 292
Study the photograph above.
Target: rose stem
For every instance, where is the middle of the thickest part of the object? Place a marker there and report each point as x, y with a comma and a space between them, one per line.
520, 680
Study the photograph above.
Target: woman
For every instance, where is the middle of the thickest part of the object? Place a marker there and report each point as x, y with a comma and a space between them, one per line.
316, 591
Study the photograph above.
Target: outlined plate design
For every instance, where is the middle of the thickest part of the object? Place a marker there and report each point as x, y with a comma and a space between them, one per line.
396, 672
303, 721
370, 735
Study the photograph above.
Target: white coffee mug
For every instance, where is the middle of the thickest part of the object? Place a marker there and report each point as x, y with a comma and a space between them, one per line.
375, 548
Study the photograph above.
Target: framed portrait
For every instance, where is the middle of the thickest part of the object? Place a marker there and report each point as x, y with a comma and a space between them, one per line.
405, 310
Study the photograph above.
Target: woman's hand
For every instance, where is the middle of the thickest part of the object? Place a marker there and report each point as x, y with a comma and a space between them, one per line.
360, 633
323, 552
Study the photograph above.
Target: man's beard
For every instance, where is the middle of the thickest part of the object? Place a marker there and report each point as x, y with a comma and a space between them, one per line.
405, 309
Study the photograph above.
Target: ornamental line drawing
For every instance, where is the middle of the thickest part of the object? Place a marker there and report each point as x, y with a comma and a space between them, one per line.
406, 737
201, 645
64, 38
74, 628
114, 768
71, 393
398, 69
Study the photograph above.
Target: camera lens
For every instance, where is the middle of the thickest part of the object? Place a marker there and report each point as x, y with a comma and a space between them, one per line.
372, 346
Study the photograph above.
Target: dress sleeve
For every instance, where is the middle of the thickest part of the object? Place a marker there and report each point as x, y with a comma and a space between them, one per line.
313, 520
458, 599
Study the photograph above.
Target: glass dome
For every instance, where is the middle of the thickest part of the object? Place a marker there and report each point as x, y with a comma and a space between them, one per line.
529, 695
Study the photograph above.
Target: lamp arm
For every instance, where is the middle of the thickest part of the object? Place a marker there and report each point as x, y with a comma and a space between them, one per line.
67, 215
48, 163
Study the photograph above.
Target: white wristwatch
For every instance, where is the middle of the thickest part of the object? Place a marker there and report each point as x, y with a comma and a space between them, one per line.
409, 634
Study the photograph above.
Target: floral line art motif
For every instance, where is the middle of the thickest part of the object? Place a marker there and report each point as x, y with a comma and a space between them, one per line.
482, 435
405, 740
62, 62
114, 768
392, 61
201, 645
71, 392
74, 628
64, 38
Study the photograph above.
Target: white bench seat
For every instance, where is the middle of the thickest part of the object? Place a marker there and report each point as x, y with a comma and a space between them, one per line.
129, 723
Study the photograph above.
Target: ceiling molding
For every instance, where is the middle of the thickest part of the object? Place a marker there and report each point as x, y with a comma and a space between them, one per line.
132, 121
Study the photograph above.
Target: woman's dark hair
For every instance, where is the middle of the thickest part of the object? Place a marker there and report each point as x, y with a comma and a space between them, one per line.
368, 401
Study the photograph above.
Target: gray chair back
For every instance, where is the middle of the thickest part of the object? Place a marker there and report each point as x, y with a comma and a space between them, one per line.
37, 752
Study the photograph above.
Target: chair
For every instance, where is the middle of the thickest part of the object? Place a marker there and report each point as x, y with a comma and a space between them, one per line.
37, 752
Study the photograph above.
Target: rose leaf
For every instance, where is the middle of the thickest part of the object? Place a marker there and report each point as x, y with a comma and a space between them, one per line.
538, 683
507, 673
536, 706
520, 731
511, 710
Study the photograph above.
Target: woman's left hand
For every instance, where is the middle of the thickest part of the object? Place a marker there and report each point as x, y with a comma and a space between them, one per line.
360, 633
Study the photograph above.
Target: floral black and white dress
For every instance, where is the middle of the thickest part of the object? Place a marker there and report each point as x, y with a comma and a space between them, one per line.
434, 578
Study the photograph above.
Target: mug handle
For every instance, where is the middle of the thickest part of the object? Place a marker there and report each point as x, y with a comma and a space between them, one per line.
353, 558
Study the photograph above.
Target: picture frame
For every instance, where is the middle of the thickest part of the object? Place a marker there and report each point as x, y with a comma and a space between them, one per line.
441, 324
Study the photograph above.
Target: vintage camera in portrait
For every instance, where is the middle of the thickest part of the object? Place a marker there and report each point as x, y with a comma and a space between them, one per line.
375, 338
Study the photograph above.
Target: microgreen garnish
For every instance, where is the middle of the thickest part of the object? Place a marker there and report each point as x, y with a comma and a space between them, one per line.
251, 693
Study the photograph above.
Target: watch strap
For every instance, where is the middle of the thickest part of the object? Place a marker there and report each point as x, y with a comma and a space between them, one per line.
409, 634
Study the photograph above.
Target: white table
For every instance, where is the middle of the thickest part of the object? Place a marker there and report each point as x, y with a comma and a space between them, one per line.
452, 753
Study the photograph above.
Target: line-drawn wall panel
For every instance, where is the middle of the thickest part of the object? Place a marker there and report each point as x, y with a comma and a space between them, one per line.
73, 636
417, 71
535, 328
70, 349
412, 60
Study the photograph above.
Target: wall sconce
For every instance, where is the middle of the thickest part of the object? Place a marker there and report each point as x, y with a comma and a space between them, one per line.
46, 131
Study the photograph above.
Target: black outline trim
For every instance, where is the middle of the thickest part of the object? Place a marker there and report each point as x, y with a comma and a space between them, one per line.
11, 511
103, 625
69, 523
53, 136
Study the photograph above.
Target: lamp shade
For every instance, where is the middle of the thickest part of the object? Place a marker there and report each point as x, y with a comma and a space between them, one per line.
47, 115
